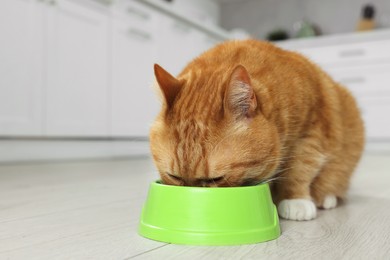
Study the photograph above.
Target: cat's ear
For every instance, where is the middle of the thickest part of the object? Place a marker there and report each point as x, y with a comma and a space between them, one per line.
240, 98
169, 85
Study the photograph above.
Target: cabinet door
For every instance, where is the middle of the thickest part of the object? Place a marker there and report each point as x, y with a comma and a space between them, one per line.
134, 102
177, 45
349, 54
364, 81
180, 43
21, 67
203, 42
375, 113
370, 86
77, 90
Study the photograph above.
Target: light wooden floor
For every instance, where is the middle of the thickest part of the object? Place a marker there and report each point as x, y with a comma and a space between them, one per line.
90, 210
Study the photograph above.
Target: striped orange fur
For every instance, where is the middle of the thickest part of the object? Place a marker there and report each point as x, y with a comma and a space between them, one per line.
245, 112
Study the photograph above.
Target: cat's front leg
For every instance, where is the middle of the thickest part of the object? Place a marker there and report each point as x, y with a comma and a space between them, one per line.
292, 188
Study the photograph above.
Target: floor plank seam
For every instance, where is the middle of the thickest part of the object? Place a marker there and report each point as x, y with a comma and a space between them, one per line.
96, 231
63, 211
148, 251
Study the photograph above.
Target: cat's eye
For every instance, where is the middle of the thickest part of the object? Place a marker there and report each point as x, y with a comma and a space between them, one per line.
213, 180
174, 177
217, 179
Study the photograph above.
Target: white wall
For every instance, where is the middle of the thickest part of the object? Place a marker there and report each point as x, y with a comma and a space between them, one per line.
259, 17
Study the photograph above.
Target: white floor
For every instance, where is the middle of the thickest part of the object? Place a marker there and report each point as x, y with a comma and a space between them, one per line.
90, 210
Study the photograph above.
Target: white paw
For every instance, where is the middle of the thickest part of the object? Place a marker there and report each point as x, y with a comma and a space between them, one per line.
297, 209
330, 202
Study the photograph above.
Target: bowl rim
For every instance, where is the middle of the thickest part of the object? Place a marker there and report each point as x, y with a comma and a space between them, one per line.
160, 184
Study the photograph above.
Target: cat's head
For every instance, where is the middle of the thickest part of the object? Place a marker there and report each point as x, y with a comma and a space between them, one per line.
211, 130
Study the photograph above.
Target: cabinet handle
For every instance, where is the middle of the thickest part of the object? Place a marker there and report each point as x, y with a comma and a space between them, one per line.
139, 34
138, 13
352, 53
352, 80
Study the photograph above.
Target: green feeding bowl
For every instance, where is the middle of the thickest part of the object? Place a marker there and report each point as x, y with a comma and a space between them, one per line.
209, 216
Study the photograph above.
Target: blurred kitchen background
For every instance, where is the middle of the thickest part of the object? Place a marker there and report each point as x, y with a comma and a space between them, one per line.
76, 75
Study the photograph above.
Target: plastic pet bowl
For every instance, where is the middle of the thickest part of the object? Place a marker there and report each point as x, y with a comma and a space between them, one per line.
209, 216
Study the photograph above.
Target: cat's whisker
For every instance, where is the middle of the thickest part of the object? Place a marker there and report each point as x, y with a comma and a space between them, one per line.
274, 180
283, 171
269, 180
282, 159
214, 182
227, 181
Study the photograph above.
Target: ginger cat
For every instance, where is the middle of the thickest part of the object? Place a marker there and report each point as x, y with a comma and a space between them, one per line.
247, 112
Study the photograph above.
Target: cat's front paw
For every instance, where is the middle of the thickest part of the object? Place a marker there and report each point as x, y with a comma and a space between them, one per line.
297, 209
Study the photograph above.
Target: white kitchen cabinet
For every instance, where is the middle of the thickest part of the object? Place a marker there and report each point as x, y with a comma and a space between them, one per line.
77, 93
85, 67
349, 54
175, 44
141, 37
21, 67
179, 44
375, 112
370, 86
208, 41
361, 62
134, 49
365, 81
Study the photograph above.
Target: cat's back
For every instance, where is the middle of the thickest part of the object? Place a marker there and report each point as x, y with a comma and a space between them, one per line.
280, 75
265, 62
234, 52
284, 81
